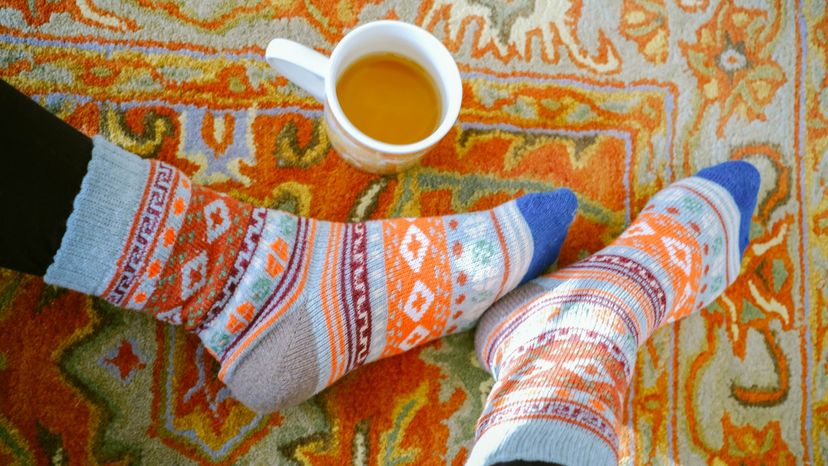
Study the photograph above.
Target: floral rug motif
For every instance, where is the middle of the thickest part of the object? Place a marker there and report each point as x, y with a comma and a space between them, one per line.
612, 99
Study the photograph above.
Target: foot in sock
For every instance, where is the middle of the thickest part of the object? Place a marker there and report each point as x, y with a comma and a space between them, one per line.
286, 304
562, 347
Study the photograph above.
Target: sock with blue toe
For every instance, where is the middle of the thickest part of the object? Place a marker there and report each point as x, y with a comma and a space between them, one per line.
287, 304
562, 347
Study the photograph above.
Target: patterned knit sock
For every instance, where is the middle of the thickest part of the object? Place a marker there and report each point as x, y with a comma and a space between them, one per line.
287, 304
562, 347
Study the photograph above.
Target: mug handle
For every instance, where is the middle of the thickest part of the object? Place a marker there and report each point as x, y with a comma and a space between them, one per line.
302, 65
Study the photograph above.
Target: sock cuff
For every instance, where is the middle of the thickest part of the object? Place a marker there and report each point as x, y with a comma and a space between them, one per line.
101, 219
538, 440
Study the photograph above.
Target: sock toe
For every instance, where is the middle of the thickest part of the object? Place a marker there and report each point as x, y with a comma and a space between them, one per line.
741, 179
549, 216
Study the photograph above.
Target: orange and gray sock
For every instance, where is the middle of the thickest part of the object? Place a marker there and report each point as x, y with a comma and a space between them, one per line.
287, 304
563, 346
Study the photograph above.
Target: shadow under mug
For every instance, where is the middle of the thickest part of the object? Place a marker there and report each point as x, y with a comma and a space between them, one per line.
318, 75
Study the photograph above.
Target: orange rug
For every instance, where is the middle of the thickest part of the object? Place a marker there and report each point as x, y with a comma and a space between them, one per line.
612, 99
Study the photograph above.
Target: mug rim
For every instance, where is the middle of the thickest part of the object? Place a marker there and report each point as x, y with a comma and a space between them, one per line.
450, 77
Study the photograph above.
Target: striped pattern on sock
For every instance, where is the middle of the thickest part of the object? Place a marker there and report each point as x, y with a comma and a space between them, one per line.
295, 302
563, 347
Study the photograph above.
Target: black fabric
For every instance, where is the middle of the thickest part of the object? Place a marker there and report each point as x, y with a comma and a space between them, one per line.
42, 163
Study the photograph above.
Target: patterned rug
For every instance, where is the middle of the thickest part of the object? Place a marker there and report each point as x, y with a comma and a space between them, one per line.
612, 99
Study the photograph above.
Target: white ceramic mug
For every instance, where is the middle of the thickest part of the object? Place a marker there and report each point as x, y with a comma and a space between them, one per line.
318, 75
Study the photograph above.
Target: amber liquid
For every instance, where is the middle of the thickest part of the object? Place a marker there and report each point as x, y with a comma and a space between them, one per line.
390, 98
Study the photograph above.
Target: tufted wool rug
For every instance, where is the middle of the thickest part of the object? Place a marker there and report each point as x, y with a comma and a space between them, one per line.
612, 99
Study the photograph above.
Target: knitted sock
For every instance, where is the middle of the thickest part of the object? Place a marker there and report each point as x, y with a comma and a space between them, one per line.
286, 304
562, 347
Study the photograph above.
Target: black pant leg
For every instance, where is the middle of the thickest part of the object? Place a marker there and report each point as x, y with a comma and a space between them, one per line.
42, 163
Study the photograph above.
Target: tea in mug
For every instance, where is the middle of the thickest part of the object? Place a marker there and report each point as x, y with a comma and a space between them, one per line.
390, 98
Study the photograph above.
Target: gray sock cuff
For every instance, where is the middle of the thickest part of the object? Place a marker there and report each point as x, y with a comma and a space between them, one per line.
540, 440
101, 219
